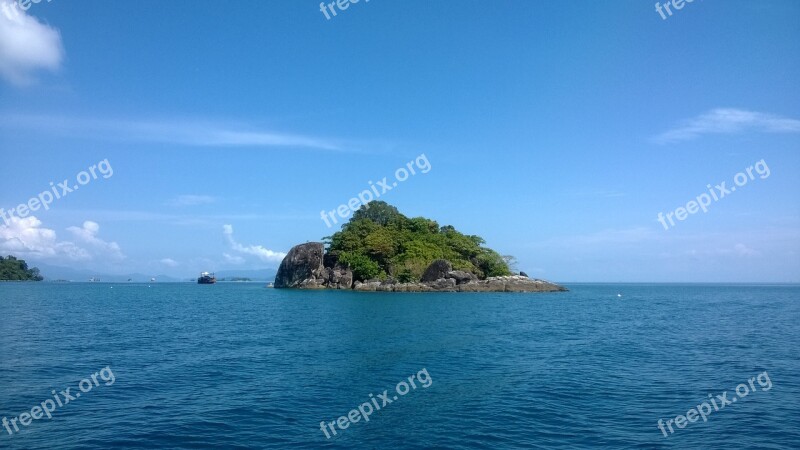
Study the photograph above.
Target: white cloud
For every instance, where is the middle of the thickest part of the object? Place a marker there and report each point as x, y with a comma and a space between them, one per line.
169, 262
26, 45
88, 235
231, 259
257, 250
129, 215
191, 200
169, 131
728, 121
743, 250
25, 238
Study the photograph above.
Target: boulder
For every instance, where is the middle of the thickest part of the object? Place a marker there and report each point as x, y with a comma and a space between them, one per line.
339, 277
304, 268
461, 277
523, 274
438, 269
303, 262
443, 285
367, 286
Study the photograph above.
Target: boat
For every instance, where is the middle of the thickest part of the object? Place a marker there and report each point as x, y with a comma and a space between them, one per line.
206, 278
270, 285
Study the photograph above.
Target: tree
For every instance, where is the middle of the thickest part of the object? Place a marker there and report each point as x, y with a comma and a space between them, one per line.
379, 241
13, 269
378, 212
363, 268
511, 262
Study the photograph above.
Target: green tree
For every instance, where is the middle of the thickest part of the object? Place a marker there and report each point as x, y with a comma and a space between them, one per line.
379, 241
13, 269
363, 268
378, 212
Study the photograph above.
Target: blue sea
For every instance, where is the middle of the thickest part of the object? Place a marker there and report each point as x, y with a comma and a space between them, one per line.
239, 365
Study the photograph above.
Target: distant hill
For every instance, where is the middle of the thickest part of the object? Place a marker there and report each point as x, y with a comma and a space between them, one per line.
254, 275
53, 273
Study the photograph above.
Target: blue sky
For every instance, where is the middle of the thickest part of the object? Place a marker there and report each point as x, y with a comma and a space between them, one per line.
555, 130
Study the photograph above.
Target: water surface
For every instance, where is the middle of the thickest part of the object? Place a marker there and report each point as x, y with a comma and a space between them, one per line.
237, 365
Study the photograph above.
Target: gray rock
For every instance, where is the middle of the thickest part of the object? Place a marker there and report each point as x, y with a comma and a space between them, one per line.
437, 269
339, 277
461, 277
443, 285
303, 267
367, 286
299, 265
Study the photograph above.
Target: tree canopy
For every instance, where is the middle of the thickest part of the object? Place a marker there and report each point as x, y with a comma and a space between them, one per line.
13, 269
380, 242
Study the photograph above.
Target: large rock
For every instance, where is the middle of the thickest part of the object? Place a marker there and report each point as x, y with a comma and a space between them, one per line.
461, 277
300, 264
339, 277
303, 267
443, 285
513, 283
367, 286
438, 269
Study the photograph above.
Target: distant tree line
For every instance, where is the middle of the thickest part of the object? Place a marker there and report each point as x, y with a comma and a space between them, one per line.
13, 269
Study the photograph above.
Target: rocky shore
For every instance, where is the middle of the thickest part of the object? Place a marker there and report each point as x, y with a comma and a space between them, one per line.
307, 267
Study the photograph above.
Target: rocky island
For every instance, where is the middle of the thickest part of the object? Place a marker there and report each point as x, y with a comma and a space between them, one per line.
13, 269
380, 249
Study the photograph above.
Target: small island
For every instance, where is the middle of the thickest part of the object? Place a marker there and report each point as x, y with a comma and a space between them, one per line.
13, 269
380, 249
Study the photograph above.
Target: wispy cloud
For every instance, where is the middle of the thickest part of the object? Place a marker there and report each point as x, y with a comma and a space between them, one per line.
728, 121
114, 215
169, 262
596, 193
231, 259
191, 200
192, 133
26, 45
257, 250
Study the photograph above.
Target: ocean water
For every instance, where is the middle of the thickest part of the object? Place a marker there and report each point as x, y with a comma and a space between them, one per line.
239, 365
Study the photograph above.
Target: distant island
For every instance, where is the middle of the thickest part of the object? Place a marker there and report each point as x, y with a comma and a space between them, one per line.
380, 249
13, 269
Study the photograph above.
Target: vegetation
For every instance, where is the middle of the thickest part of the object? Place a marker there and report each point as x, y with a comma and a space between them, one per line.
13, 269
379, 242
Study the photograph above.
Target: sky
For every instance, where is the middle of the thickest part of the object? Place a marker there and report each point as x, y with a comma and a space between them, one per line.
556, 130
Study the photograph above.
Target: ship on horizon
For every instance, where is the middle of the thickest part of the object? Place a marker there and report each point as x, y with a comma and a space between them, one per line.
206, 278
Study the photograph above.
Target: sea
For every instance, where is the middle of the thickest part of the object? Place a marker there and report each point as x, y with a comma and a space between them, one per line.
241, 365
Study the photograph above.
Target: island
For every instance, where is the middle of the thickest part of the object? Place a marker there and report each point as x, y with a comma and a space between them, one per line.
13, 269
380, 249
